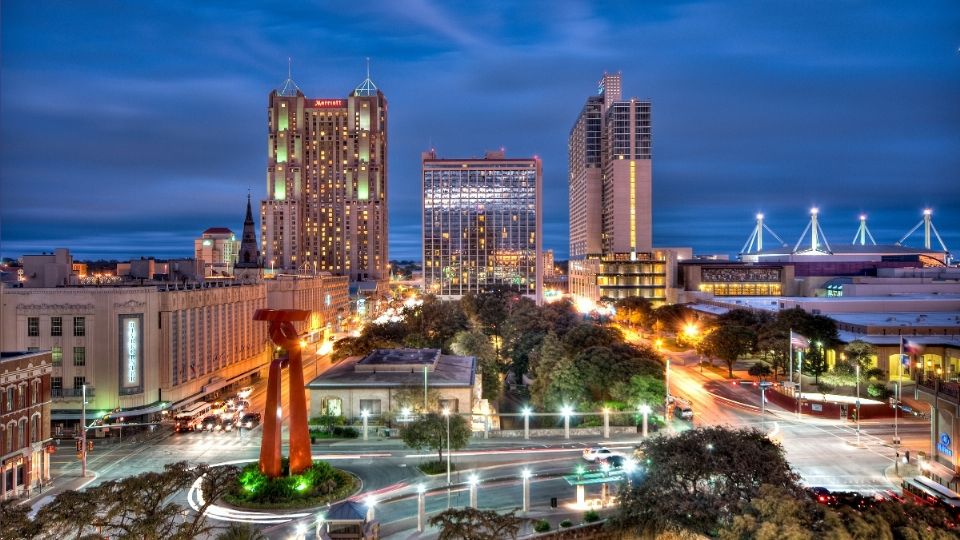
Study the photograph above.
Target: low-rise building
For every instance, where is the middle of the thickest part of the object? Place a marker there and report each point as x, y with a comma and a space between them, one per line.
216, 252
380, 382
650, 275
24, 421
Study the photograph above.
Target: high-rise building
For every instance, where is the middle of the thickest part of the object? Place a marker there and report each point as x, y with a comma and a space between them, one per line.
611, 199
482, 224
216, 252
326, 206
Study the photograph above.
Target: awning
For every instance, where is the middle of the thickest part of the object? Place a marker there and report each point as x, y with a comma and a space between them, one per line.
941, 471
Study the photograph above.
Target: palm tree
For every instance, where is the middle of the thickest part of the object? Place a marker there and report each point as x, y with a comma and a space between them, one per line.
241, 531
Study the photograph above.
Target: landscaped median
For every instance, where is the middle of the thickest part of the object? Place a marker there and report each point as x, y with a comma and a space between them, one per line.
316, 486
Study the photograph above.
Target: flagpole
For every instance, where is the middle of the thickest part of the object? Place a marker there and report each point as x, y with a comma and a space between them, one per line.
800, 387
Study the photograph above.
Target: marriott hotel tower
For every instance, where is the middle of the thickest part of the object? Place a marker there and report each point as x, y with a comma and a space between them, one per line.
326, 205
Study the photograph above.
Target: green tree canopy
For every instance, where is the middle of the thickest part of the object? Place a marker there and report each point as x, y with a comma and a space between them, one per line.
634, 311
430, 432
476, 343
699, 479
728, 343
639, 390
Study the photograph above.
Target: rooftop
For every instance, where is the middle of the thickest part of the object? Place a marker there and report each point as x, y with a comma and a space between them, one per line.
386, 368
913, 319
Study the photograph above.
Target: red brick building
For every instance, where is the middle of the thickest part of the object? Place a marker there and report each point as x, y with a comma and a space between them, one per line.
24, 421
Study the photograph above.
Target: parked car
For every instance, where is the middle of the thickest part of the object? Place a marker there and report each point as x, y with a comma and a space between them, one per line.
599, 453
245, 392
211, 422
249, 420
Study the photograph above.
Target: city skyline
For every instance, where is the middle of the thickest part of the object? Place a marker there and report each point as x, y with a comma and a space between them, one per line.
852, 109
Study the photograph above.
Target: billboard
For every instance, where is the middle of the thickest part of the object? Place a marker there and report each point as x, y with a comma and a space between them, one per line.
131, 353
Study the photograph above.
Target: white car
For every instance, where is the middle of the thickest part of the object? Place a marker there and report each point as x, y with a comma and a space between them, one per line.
600, 453
245, 392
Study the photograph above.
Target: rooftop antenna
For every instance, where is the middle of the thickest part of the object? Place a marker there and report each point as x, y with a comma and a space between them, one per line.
756, 237
368, 67
289, 67
863, 233
816, 235
928, 226
289, 87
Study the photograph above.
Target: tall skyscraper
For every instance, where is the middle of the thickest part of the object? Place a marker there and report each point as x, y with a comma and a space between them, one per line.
326, 206
482, 224
610, 174
611, 198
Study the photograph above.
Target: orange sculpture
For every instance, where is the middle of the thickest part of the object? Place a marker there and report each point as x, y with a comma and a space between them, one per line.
283, 333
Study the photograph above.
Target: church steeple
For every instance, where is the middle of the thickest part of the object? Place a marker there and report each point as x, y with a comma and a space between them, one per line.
249, 256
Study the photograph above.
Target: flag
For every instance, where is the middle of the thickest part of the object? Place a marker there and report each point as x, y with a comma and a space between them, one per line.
799, 341
911, 347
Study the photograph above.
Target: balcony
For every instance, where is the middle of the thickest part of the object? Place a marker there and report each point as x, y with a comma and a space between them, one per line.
71, 392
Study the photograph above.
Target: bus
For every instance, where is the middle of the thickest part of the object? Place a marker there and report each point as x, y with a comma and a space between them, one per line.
189, 418
927, 491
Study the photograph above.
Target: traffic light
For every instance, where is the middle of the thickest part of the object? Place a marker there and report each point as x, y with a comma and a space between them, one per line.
79, 445
89, 446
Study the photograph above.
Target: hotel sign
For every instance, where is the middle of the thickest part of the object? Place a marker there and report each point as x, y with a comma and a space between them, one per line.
943, 445
327, 103
131, 353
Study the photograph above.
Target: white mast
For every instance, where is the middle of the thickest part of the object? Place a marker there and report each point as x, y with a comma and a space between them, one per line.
863, 233
928, 227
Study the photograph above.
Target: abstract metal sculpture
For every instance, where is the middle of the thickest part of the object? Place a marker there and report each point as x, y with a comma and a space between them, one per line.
284, 335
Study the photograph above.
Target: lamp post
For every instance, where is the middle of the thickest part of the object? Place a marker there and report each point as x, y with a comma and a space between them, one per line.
320, 519
364, 415
473, 481
525, 474
666, 384
421, 506
606, 423
446, 414
371, 502
645, 411
858, 403
83, 433
566, 411
526, 423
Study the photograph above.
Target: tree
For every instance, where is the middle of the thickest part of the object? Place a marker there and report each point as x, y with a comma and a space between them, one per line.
759, 370
411, 397
477, 344
16, 521
777, 514
435, 321
670, 317
543, 365
639, 390
728, 343
564, 386
430, 431
599, 367
488, 310
843, 374
473, 524
859, 352
69, 514
634, 311
241, 531
699, 479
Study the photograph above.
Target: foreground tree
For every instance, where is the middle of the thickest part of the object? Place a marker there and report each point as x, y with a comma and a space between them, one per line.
477, 344
241, 531
728, 343
473, 524
699, 479
15, 522
430, 431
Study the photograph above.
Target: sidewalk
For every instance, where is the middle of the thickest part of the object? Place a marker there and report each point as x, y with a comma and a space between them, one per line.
57, 485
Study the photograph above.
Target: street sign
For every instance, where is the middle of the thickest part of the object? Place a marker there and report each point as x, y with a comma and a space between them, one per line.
765, 384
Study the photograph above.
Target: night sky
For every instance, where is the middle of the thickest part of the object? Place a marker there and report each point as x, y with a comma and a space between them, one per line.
130, 127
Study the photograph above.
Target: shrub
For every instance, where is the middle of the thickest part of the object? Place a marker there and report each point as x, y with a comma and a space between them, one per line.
566, 523
878, 391
590, 516
435, 467
318, 484
345, 432
541, 526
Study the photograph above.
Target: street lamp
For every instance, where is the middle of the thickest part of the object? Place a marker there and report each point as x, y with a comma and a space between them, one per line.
566, 411
421, 507
525, 474
645, 411
473, 481
606, 422
446, 414
364, 415
371, 502
858, 403
526, 423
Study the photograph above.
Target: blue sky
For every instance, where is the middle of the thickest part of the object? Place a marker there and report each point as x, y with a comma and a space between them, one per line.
127, 128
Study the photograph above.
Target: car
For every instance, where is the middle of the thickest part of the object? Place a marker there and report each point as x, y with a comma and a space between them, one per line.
228, 423
599, 453
242, 405
615, 461
249, 420
245, 392
683, 411
822, 495
211, 423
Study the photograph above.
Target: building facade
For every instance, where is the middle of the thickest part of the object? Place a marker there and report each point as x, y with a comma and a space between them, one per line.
482, 224
386, 381
650, 275
143, 349
326, 206
216, 252
24, 422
